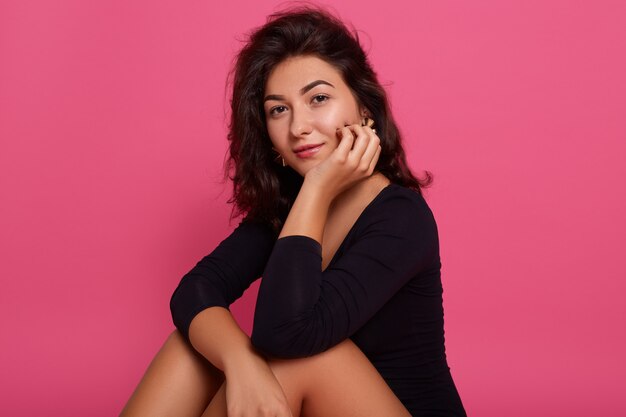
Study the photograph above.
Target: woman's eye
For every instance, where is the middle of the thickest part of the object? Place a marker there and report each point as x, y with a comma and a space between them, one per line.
276, 110
320, 98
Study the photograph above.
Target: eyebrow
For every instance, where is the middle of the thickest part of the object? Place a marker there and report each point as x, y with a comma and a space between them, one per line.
303, 90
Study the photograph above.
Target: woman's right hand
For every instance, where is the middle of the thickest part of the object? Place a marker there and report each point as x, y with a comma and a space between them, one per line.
354, 159
252, 390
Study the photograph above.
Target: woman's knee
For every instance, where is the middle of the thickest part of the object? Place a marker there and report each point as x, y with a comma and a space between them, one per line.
175, 342
176, 338
177, 346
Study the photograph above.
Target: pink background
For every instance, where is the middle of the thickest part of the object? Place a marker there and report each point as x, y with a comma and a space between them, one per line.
112, 121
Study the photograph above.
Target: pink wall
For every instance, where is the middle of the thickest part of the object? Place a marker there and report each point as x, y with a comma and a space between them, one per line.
112, 137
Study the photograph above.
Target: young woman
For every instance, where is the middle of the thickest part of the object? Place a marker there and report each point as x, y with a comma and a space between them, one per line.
349, 317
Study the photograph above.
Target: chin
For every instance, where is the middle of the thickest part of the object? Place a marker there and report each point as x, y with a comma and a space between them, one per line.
302, 170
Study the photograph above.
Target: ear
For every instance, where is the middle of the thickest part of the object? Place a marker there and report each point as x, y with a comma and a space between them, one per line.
364, 112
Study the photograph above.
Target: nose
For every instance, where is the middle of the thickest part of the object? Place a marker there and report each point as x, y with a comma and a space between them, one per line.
301, 123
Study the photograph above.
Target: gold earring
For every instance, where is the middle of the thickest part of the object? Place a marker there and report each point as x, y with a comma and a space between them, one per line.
279, 156
369, 123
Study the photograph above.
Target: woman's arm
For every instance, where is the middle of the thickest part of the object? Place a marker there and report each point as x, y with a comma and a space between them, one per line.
221, 277
216, 335
354, 160
302, 310
200, 311
250, 383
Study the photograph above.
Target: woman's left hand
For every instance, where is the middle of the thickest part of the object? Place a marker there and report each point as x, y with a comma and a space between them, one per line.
354, 159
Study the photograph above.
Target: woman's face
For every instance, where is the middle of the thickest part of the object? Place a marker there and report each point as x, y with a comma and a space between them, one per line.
306, 100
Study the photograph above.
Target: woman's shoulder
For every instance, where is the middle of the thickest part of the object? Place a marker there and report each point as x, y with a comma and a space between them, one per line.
398, 198
399, 213
398, 210
254, 229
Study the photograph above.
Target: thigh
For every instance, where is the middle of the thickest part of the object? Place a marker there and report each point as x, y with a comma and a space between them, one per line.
339, 382
178, 381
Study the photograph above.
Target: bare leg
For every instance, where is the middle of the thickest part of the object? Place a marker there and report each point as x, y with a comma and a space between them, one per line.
340, 382
178, 382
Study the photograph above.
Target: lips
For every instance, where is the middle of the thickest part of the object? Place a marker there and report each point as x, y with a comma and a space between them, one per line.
305, 147
308, 151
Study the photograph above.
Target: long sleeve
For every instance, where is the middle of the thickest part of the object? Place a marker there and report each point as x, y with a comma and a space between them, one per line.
302, 310
221, 277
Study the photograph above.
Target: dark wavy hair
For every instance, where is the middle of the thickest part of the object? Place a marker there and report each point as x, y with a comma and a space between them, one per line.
262, 188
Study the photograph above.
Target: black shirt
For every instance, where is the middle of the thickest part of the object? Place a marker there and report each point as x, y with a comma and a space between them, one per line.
382, 289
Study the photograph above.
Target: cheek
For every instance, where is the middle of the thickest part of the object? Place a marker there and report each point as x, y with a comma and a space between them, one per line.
331, 120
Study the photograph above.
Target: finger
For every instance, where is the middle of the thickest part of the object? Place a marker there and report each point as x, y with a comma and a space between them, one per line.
361, 143
374, 160
369, 129
373, 144
346, 140
369, 142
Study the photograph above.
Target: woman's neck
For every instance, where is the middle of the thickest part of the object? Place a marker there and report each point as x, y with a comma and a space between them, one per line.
362, 192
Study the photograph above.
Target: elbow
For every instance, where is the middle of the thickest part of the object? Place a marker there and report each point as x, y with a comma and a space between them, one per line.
263, 343
174, 303
179, 304
174, 299
280, 344
269, 343
272, 344
178, 314
190, 298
